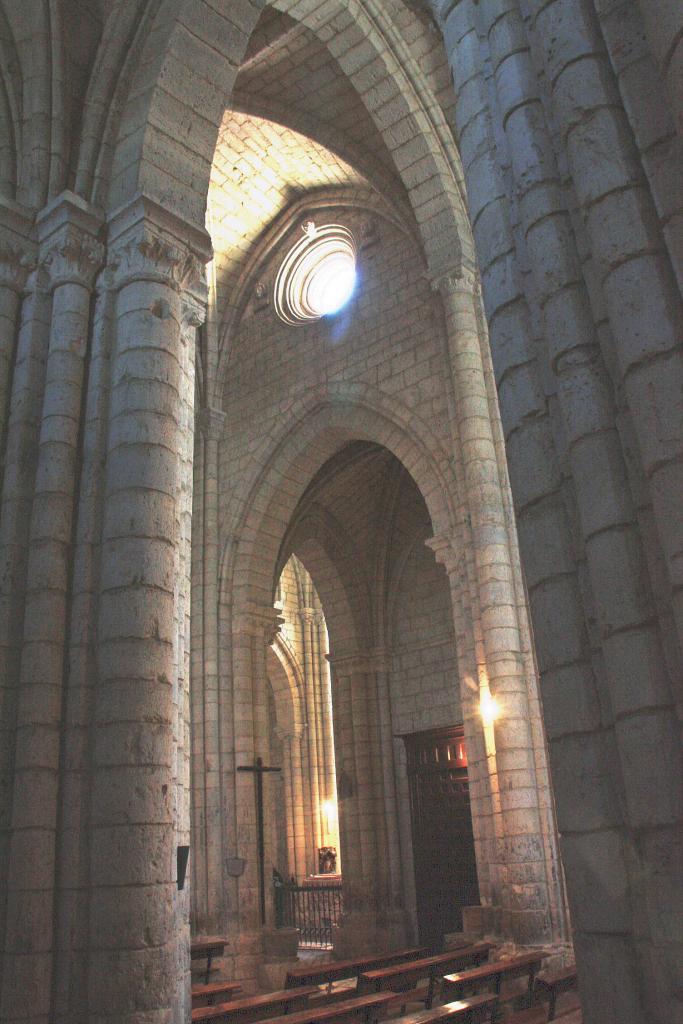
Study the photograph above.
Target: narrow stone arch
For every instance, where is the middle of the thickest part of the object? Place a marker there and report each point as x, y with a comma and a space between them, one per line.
317, 427
149, 159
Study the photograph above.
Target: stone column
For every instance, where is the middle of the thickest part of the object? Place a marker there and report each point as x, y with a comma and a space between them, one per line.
373, 915
294, 797
71, 945
525, 895
137, 939
311, 705
208, 824
69, 249
17, 279
17, 259
629, 264
253, 632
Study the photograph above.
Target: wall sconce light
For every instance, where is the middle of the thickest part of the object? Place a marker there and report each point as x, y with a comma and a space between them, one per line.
488, 706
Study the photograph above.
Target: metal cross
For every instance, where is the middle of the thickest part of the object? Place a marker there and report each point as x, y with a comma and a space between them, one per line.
258, 768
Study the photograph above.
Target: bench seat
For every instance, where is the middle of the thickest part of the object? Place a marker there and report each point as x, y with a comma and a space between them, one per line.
402, 977
365, 1009
253, 1008
475, 1010
206, 995
526, 964
340, 970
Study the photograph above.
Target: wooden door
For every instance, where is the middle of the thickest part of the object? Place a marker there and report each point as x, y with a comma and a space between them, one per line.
443, 843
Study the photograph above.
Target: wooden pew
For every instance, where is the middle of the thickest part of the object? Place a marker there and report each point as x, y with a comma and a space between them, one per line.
550, 986
207, 995
359, 1010
454, 986
403, 977
476, 1010
340, 970
251, 1008
209, 947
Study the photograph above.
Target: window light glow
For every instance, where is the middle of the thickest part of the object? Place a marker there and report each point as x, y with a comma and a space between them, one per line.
317, 276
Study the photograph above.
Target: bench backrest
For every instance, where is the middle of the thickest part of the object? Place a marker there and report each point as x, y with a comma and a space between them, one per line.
426, 967
337, 970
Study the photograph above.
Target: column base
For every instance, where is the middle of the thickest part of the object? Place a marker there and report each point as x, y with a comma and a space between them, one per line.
361, 933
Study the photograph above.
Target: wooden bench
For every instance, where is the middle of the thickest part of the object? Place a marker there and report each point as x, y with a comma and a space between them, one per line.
206, 995
476, 1010
551, 986
454, 986
403, 977
251, 1008
358, 1010
339, 970
209, 948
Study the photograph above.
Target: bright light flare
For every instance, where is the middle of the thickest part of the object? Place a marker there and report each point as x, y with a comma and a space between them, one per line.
331, 285
488, 707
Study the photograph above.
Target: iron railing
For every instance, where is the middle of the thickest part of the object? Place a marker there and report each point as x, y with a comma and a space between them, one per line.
313, 909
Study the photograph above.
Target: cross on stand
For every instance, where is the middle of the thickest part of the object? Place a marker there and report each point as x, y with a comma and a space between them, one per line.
258, 768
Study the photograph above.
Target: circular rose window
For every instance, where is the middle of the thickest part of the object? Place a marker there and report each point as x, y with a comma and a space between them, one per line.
317, 276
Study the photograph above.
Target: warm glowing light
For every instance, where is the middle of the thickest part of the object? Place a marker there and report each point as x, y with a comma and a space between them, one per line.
488, 707
329, 810
317, 276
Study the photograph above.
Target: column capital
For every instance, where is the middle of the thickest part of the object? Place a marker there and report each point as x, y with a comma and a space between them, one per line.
149, 242
18, 250
452, 280
211, 422
447, 552
69, 240
260, 622
193, 309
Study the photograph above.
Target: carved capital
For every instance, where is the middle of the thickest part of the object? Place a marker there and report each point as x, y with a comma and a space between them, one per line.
456, 279
148, 257
193, 316
211, 422
17, 261
446, 553
149, 242
72, 257
68, 233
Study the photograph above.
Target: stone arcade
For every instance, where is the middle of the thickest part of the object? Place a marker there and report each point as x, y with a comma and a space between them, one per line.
240, 522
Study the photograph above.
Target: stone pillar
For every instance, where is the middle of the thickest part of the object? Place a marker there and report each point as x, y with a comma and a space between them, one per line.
311, 706
72, 256
252, 633
525, 894
138, 941
629, 264
372, 919
17, 258
71, 946
17, 279
294, 797
208, 824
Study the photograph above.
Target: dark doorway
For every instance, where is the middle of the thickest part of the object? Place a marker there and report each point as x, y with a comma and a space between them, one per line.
443, 843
